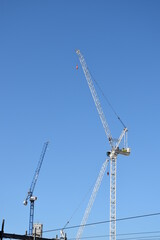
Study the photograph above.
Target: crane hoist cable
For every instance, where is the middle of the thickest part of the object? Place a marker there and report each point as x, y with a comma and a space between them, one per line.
107, 100
79, 205
92, 199
90, 203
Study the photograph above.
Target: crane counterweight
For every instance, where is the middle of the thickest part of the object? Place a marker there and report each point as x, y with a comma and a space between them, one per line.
25, 202
33, 199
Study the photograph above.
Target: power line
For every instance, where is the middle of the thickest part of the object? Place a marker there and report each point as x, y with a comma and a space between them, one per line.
144, 238
124, 234
107, 221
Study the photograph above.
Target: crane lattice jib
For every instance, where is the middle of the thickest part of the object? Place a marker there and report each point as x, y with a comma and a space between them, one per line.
36, 174
95, 97
92, 198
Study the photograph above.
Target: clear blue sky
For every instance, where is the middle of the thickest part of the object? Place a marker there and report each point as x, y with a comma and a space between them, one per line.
43, 97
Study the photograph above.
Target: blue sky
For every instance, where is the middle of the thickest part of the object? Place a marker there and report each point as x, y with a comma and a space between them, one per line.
43, 97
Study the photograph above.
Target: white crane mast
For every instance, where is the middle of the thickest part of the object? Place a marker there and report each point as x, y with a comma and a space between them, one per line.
113, 198
114, 147
92, 198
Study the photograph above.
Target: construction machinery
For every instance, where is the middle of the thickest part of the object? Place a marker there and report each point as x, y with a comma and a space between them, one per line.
112, 154
30, 196
92, 198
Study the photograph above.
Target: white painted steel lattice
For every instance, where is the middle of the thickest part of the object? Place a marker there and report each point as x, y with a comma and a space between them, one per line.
113, 198
91, 200
115, 150
95, 96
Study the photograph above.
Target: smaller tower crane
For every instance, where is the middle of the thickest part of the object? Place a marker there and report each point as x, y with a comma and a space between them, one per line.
30, 196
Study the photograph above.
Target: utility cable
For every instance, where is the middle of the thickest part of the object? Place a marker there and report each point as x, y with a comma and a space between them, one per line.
131, 238
138, 238
124, 234
107, 221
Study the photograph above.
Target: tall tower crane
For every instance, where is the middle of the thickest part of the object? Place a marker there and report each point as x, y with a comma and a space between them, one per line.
30, 196
114, 144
